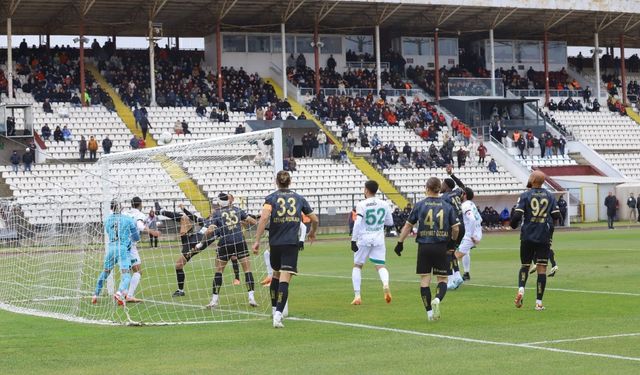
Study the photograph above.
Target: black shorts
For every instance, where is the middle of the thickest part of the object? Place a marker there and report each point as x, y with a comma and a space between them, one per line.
189, 243
284, 258
432, 257
239, 250
533, 251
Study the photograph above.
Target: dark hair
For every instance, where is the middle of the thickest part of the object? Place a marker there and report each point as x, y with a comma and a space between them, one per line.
469, 193
136, 202
434, 184
283, 179
450, 183
372, 186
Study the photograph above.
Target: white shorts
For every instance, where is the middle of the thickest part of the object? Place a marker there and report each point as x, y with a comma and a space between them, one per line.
466, 245
134, 256
376, 253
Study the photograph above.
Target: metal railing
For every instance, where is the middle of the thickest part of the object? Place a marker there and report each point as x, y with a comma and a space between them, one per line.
474, 87
333, 91
536, 93
366, 65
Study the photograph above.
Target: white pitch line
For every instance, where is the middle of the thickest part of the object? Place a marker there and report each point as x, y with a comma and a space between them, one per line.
583, 339
482, 285
464, 339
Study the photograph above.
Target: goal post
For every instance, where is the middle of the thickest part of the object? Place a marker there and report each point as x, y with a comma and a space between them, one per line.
51, 267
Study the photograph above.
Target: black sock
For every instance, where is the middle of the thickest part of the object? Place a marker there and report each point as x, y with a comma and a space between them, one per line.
275, 283
441, 290
180, 276
451, 256
217, 282
542, 283
425, 293
283, 294
523, 274
552, 258
454, 264
236, 269
248, 278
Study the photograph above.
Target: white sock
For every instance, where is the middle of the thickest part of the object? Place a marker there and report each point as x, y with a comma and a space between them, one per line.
267, 262
539, 301
466, 263
285, 311
133, 284
384, 277
356, 278
251, 294
456, 275
521, 290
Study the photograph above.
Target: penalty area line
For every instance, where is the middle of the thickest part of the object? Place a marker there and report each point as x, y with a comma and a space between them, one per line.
463, 339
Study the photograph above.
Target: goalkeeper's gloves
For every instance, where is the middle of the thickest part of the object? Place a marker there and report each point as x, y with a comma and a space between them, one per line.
354, 246
399, 248
199, 246
300, 245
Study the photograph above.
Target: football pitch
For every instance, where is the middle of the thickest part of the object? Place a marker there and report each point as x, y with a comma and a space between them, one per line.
591, 324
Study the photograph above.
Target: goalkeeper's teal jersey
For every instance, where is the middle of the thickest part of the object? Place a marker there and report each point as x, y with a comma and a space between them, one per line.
121, 230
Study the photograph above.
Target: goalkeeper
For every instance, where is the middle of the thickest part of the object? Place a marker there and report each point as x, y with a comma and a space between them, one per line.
121, 232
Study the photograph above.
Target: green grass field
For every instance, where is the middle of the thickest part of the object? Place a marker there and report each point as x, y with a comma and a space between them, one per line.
591, 325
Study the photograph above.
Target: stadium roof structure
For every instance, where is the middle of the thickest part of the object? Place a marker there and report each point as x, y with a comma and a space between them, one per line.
575, 21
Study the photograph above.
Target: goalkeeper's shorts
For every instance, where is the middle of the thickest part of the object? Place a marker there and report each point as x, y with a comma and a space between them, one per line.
117, 254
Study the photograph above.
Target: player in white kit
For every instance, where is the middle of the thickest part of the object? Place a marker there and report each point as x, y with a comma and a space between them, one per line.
472, 233
368, 240
136, 262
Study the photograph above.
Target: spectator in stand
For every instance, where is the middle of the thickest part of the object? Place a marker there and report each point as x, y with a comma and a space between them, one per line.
556, 145
462, 157
46, 106
57, 135
530, 144
185, 127
27, 159
93, 148
11, 126
331, 63
240, 129
82, 147
352, 138
493, 167
106, 145
145, 125
321, 138
301, 62
290, 143
380, 160
562, 143
542, 143
549, 146
45, 132
15, 161
586, 94
75, 101
293, 165
482, 153
134, 143
521, 145
407, 150
66, 134
141, 143
611, 202
562, 205
335, 154
259, 159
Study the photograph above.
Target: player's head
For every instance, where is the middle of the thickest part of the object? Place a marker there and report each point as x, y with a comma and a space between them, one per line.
115, 206
433, 186
283, 179
136, 202
467, 194
536, 179
223, 200
448, 185
370, 188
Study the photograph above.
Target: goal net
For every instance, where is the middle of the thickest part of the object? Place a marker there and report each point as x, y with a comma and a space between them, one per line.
53, 240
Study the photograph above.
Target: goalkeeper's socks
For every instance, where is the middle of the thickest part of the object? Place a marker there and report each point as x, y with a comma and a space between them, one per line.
441, 290
248, 278
217, 282
124, 282
541, 285
466, 263
384, 276
236, 269
283, 295
523, 275
267, 262
425, 294
133, 284
180, 277
103, 276
356, 279
275, 283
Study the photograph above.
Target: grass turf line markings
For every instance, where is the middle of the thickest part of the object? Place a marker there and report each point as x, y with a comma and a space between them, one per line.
629, 294
583, 339
464, 339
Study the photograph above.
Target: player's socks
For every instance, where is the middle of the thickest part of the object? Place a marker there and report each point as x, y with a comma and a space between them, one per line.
523, 275
248, 279
133, 284
541, 285
425, 294
124, 282
455, 266
180, 277
267, 262
236, 269
101, 279
283, 294
252, 299
275, 283
441, 290
217, 282
356, 279
466, 263
552, 258
384, 276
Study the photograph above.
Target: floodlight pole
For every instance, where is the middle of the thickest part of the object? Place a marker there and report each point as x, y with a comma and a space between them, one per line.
316, 57
219, 61
623, 74
82, 81
9, 60
283, 44
596, 63
545, 54
152, 65
492, 51
378, 74
436, 64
